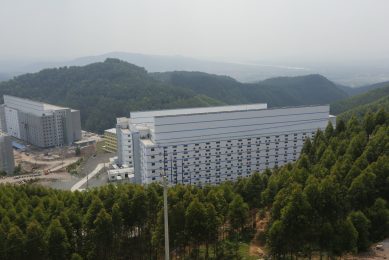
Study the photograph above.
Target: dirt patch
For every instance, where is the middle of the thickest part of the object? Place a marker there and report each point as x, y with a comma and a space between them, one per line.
257, 248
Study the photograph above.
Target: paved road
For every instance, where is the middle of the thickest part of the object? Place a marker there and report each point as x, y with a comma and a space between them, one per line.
78, 185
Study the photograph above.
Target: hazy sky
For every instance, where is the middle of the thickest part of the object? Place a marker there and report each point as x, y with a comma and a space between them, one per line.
222, 29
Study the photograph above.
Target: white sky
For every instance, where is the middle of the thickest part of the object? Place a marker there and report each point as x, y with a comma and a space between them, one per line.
326, 30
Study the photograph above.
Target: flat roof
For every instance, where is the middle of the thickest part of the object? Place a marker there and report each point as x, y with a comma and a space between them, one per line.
121, 170
244, 110
43, 105
112, 130
147, 142
197, 110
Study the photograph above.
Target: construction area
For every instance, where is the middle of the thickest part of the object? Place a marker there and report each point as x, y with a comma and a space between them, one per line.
62, 167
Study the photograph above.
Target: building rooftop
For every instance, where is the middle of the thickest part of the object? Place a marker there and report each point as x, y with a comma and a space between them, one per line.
147, 142
112, 130
31, 106
3, 134
138, 116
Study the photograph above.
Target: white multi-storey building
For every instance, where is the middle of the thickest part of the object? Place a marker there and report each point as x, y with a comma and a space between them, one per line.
38, 123
215, 144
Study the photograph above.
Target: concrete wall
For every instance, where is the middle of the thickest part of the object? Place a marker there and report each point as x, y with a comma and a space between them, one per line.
76, 121
7, 163
3, 125
12, 122
32, 129
192, 128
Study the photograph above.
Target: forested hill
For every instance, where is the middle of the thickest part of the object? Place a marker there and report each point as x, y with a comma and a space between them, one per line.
110, 89
282, 91
359, 105
332, 201
103, 91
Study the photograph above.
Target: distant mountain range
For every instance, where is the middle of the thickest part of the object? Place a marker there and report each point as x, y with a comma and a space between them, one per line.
106, 90
355, 74
162, 63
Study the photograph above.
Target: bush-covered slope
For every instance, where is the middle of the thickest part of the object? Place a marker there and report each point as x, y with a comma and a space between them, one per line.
102, 91
374, 98
360, 111
282, 91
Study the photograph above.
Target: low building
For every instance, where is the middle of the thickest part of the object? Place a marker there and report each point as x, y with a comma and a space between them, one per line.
110, 141
7, 163
210, 145
38, 123
121, 174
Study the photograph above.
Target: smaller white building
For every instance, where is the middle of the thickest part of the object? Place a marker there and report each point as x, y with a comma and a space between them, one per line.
120, 174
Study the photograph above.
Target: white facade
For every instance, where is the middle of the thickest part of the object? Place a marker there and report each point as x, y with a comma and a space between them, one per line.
38, 123
200, 146
12, 121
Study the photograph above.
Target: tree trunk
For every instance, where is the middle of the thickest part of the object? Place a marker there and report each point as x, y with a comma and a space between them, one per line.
206, 250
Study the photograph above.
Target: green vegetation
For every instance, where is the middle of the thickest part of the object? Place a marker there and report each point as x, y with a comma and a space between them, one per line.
282, 91
74, 167
17, 170
360, 104
328, 201
106, 90
333, 200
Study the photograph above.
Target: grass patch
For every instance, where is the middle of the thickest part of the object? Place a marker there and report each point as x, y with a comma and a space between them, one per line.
74, 167
244, 252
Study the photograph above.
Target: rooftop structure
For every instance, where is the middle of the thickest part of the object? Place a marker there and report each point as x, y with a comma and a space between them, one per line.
210, 145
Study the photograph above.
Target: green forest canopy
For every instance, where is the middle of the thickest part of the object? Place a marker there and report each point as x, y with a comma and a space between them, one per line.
360, 100
333, 200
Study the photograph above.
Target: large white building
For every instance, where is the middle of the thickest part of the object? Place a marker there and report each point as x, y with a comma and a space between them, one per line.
38, 123
214, 144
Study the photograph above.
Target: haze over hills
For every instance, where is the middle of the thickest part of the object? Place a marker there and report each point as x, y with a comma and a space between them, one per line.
106, 90
161, 63
282, 91
352, 74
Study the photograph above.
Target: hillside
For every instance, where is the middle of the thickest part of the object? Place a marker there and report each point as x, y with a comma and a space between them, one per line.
282, 91
353, 91
361, 103
102, 91
105, 90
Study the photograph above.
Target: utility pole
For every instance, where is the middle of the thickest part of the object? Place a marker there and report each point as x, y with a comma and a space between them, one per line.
166, 221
